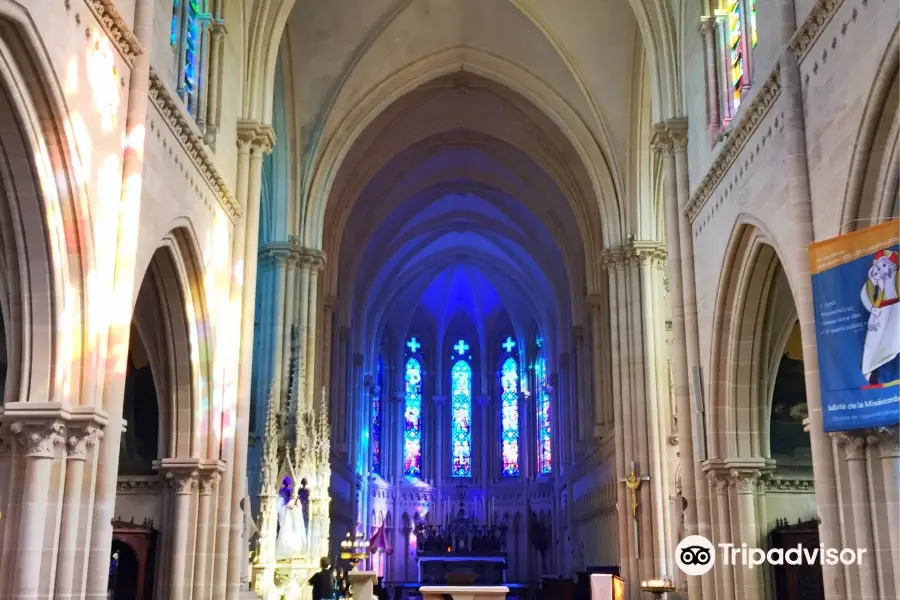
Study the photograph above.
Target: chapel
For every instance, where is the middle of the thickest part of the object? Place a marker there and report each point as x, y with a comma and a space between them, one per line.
522, 293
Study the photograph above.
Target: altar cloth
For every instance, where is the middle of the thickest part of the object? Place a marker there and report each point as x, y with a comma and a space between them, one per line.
458, 592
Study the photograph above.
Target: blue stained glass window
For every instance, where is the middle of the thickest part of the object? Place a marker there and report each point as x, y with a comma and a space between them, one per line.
375, 435
192, 54
544, 430
461, 428
412, 434
176, 23
509, 417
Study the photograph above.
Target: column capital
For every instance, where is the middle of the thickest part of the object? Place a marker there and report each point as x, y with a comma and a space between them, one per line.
81, 437
718, 479
660, 142
180, 473
887, 439
255, 137
678, 133
707, 25
853, 444
744, 481
643, 252
208, 482
40, 438
612, 258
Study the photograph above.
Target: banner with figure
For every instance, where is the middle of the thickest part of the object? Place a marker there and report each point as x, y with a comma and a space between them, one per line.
857, 308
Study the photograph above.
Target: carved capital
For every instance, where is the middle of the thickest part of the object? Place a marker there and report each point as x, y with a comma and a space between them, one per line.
678, 133
184, 482
208, 483
853, 445
887, 440
744, 482
40, 439
707, 25
80, 439
718, 480
645, 253
660, 142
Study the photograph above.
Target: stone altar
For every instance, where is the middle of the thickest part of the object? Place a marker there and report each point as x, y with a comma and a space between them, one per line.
363, 583
439, 592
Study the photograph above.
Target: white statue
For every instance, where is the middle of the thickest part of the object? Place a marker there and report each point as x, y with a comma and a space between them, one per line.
291, 540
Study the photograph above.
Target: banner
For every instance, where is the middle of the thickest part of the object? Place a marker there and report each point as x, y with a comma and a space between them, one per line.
855, 292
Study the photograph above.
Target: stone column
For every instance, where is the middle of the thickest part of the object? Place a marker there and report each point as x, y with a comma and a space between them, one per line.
78, 441
724, 573
41, 441
209, 479
744, 484
708, 32
584, 393
8, 498
317, 263
184, 483
302, 320
596, 314
571, 415
281, 335
854, 447
263, 141
327, 339
670, 141
887, 441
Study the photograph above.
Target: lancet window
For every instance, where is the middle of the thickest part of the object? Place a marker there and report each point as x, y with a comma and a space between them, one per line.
189, 18
377, 416
461, 411
735, 38
412, 432
509, 411
542, 406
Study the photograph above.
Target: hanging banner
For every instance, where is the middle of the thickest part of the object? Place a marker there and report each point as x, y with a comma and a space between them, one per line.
855, 291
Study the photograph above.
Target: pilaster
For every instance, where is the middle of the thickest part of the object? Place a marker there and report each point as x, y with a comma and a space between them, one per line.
182, 477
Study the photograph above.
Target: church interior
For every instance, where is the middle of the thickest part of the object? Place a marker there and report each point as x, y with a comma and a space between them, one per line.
444, 292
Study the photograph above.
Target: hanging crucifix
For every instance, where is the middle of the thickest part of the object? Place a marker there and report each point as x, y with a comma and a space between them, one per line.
633, 482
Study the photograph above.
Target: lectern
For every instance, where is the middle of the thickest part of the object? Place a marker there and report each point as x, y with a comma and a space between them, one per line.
607, 587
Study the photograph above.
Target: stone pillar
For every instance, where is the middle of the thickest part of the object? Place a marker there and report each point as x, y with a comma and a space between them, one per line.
209, 479
10, 502
670, 141
79, 440
583, 394
708, 32
596, 315
262, 142
327, 339
854, 447
281, 335
302, 319
887, 440
744, 484
183, 481
317, 263
41, 441
724, 573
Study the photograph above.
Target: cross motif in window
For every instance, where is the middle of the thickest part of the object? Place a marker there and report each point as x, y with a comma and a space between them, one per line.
461, 347
509, 344
414, 345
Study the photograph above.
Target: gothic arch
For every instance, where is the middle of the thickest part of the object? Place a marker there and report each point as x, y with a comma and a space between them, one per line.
44, 224
341, 136
753, 297
873, 186
170, 316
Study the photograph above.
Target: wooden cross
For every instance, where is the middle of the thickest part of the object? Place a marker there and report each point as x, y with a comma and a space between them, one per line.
633, 482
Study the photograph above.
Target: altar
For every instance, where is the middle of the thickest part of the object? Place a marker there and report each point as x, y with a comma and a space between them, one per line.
463, 550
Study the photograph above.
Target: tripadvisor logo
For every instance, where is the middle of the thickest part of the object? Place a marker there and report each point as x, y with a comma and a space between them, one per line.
695, 555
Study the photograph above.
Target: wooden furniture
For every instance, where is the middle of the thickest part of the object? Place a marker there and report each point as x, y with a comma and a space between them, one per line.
136, 546
797, 582
441, 592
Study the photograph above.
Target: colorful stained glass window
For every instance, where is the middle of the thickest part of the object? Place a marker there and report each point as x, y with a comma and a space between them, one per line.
509, 416
375, 434
461, 427
751, 18
412, 434
542, 405
175, 32
192, 54
737, 51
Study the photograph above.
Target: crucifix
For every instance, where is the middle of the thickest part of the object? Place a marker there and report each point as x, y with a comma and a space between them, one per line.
633, 482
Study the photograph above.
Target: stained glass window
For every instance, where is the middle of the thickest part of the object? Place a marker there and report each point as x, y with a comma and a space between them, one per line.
509, 416
461, 428
751, 17
192, 54
175, 32
412, 435
375, 435
737, 51
542, 405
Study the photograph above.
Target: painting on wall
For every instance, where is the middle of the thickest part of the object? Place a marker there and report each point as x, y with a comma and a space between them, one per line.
786, 437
